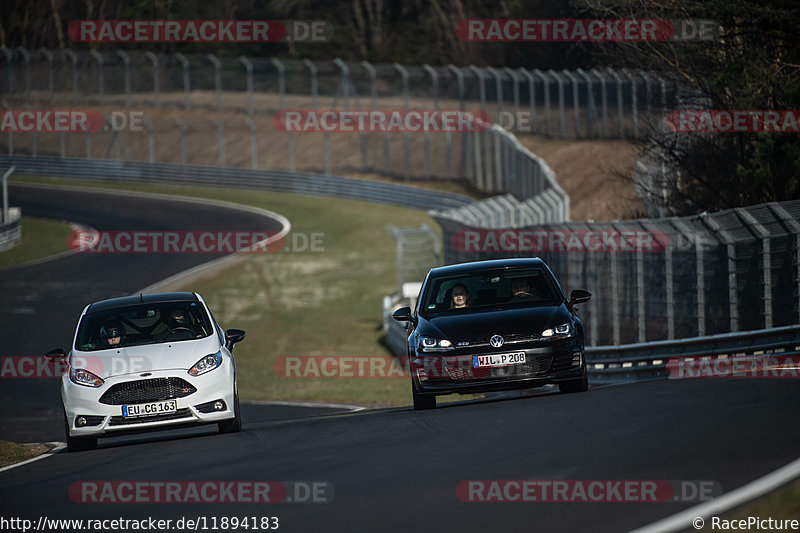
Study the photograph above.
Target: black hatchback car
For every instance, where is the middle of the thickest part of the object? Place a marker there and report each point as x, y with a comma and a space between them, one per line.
493, 325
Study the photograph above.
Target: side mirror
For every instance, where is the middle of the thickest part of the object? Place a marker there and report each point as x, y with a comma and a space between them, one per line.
403, 314
578, 296
232, 336
56, 353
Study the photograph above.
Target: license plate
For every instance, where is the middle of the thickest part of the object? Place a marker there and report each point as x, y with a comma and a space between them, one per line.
498, 359
149, 409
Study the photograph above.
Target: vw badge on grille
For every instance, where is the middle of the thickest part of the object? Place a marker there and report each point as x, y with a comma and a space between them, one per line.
497, 341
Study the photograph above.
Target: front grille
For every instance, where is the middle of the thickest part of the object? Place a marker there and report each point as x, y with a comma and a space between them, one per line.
122, 421
509, 339
461, 369
147, 390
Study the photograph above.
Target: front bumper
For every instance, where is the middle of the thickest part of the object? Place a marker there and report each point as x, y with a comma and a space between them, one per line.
454, 372
106, 420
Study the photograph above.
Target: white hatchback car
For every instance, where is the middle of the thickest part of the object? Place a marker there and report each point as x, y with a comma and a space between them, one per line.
148, 362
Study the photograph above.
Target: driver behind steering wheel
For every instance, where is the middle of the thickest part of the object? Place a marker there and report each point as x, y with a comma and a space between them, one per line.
178, 320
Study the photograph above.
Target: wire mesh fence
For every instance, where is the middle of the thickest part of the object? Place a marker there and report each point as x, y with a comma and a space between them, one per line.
655, 279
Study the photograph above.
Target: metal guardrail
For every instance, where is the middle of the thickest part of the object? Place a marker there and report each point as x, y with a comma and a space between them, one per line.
296, 183
647, 361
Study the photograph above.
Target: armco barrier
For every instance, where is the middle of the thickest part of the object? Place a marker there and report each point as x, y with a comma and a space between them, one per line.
297, 183
648, 360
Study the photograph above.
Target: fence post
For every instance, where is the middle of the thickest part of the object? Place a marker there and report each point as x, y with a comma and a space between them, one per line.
186, 80
183, 127
156, 77
531, 98
464, 135
248, 65
480, 182
253, 144
126, 61
515, 93
9, 71
634, 103
562, 115
730, 246
591, 114
282, 90
71, 55
766, 265
794, 228
50, 74
27, 57
314, 93
547, 118
604, 100
100, 81
406, 149
619, 81
373, 90
217, 79
498, 87
6, 174
576, 119
427, 136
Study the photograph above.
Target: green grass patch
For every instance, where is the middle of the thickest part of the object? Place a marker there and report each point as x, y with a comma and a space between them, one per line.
11, 452
40, 238
307, 303
783, 504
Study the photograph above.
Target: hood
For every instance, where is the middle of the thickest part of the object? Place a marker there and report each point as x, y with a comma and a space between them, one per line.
180, 355
477, 325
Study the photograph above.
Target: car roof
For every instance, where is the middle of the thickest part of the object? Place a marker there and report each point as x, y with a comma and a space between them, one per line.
460, 268
127, 301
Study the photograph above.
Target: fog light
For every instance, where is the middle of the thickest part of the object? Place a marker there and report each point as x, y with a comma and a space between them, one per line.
80, 421
219, 406
576, 359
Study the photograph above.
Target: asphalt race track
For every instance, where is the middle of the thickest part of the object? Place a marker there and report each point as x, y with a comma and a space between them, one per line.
385, 469
41, 303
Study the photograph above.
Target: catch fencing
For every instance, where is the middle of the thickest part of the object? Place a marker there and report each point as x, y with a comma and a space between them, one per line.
651, 279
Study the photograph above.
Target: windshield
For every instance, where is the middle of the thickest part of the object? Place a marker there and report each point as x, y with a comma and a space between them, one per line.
142, 324
496, 289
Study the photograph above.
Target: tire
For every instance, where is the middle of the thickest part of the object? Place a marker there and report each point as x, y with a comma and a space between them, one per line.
422, 401
235, 424
78, 444
575, 385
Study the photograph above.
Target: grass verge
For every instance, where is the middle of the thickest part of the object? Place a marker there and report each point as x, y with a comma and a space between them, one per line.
40, 238
11, 452
783, 504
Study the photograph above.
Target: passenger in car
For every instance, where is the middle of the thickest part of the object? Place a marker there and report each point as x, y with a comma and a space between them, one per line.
461, 297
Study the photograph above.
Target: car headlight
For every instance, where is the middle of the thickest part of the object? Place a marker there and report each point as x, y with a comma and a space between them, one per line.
81, 376
562, 330
432, 344
206, 364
